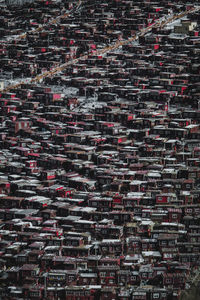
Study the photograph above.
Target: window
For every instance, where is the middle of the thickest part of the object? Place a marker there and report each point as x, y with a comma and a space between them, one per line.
68, 292
133, 278
184, 259
163, 243
82, 266
77, 293
34, 294
171, 243
71, 278
178, 186
144, 275
167, 255
193, 175
22, 258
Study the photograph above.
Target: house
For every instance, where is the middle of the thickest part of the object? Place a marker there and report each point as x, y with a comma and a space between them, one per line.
111, 246
167, 240
185, 27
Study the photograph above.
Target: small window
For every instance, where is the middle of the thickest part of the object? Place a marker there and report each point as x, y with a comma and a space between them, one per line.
184, 259
144, 275
193, 175
174, 216
71, 278
171, 243
68, 292
163, 243
133, 278
178, 186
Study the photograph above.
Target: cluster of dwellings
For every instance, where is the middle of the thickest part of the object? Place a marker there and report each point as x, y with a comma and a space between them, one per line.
99, 164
